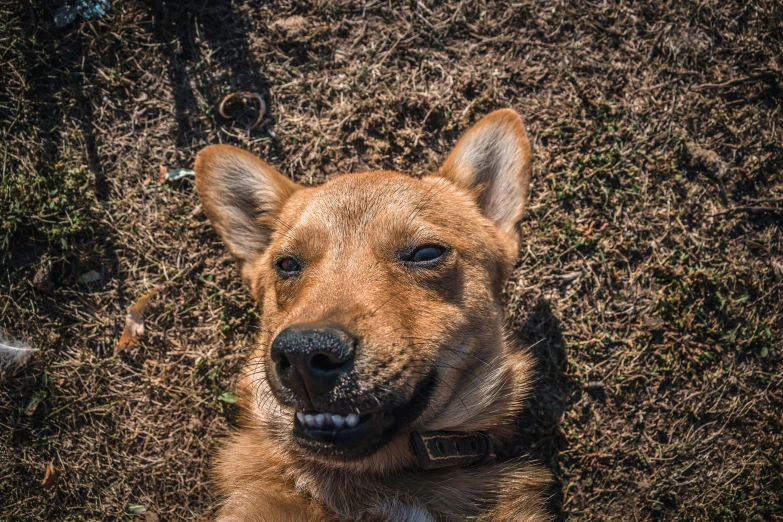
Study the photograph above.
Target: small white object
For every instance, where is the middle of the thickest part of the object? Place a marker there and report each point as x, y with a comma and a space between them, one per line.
320, 419
301, 417
338, 421
352, 420
13, 353
90, 277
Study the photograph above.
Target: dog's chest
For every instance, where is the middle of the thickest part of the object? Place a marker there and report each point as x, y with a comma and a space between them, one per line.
391, 509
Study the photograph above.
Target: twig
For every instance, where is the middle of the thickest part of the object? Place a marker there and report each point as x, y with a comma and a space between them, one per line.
732, 83
569, 278
749, 210
244, 96
565, 279
766, 200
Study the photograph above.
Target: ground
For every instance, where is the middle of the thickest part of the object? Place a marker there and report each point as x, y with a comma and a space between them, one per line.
650, 278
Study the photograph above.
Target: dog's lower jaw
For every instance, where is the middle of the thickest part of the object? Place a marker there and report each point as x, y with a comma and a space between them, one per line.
255, 462
463, 406
371, 431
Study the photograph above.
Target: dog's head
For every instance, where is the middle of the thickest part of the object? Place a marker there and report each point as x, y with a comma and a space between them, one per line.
379, 293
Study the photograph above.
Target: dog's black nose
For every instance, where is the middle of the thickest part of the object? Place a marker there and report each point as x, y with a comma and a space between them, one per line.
310, 360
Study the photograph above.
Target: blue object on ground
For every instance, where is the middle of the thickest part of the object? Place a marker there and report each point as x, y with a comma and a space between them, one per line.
94, 9
89, 9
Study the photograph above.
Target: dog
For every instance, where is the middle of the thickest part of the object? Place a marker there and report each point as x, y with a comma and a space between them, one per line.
383, 383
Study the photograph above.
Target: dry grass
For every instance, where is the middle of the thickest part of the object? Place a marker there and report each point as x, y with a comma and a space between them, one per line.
636, 271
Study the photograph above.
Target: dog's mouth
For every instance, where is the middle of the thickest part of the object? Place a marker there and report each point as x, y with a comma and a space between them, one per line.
357, 435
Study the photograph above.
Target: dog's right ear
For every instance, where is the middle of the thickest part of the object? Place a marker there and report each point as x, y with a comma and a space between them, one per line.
242, 196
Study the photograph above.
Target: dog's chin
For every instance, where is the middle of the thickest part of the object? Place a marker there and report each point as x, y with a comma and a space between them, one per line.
357, 436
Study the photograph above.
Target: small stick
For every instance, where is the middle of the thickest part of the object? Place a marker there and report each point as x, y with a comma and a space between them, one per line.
749, 210
766, 200
569, 278
595, 386
731, 83
245, 95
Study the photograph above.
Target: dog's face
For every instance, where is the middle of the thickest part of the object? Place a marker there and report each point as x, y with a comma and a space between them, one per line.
379, 293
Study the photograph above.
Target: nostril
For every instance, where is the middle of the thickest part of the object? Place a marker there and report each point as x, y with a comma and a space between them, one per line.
325, 363
283, 363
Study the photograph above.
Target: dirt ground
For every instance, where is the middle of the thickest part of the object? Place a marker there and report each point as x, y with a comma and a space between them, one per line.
650, 279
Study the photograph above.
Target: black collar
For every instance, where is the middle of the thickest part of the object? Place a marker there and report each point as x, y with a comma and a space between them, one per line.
440, 449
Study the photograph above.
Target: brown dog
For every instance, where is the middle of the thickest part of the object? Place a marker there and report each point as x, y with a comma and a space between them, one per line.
382, 380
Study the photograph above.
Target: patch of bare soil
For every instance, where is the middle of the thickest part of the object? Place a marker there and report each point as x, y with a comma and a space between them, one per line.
650, 281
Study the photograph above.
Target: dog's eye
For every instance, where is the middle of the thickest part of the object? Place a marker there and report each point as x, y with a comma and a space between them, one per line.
427, 253
289, 266
424, 255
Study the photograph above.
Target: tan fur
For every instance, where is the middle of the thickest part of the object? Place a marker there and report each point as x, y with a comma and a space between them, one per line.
409, 322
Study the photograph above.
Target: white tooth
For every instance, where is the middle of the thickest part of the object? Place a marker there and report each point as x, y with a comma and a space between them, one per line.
301, 417
338, 421
320, 419
351, 420
309, 420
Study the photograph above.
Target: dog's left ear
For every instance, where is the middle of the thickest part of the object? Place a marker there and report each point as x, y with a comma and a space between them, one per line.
493, 162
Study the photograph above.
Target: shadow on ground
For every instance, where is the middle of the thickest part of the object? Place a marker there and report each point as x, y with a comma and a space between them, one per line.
540, 437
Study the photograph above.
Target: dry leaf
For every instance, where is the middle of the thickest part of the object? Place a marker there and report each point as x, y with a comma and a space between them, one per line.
32, 406
162, 171
654, 323
134, 324
293, 26
42, 280
701, 158
52, 474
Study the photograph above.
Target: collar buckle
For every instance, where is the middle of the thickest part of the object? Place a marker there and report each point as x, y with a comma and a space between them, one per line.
440, 449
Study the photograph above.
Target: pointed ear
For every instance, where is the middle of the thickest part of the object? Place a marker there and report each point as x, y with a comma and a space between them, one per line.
241, 195
493, 162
